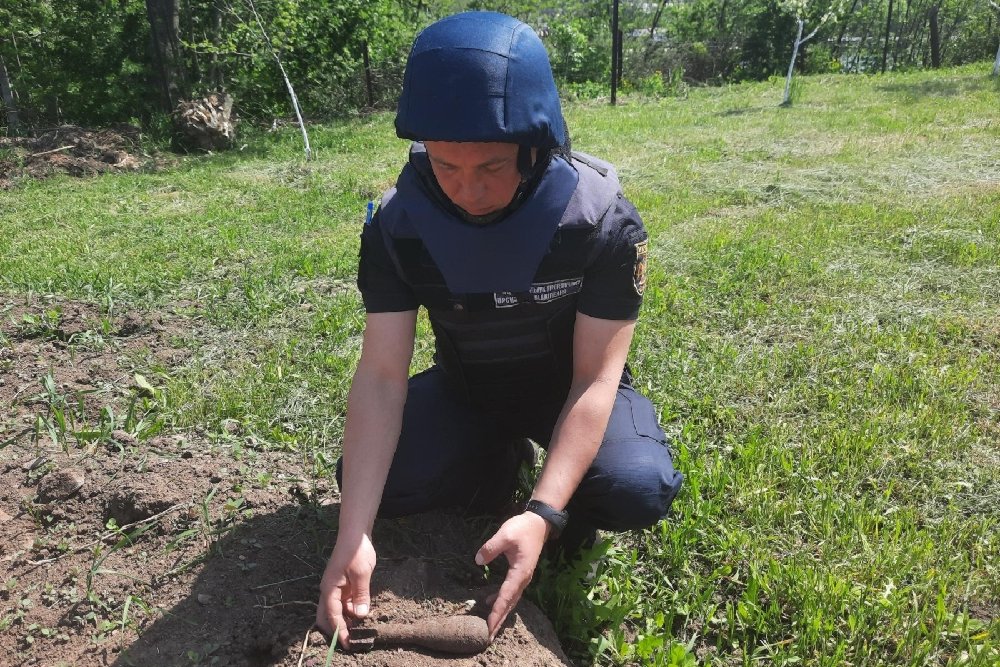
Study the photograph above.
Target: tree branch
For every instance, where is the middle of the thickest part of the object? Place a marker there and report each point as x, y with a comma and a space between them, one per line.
284, 75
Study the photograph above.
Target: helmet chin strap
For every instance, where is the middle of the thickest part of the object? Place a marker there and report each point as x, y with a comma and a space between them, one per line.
524, 164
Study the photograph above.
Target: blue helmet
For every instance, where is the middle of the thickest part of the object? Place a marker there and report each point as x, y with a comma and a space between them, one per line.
480, 76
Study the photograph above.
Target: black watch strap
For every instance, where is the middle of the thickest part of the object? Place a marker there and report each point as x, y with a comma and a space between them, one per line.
556, 518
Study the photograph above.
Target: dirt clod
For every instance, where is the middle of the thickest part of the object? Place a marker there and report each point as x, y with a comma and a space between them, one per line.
60, 484
124, 437
140, 499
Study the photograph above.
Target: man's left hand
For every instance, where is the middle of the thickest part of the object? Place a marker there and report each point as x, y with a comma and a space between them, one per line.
520, 540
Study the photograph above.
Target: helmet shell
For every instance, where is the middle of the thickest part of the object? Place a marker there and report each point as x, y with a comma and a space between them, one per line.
480, 76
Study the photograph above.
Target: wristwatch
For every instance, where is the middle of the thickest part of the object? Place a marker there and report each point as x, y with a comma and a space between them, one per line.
557, 519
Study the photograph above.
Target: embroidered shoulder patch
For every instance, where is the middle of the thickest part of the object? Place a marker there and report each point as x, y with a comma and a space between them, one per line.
639, 271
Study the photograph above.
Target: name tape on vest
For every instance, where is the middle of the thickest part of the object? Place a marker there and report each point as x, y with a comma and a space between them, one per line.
540, 292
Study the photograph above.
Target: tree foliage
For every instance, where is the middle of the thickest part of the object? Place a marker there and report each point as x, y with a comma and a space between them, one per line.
95, 61
732, 40
79, 59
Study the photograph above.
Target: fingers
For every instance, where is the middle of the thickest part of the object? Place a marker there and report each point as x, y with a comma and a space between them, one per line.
345, 588
347, 596
507, 598
361, 598
330, 616
342, 635
489, 551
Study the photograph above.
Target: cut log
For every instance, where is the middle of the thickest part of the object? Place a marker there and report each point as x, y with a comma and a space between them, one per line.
205, 124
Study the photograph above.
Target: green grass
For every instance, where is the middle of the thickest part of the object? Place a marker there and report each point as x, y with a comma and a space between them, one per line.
821, 334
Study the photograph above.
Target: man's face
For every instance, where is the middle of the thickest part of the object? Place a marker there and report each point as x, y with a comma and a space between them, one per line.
479, 178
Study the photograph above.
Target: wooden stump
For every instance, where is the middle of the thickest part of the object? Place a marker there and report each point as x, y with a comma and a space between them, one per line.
205, 124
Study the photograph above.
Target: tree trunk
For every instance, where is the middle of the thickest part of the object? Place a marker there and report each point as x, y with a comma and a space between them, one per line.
862, 49
916, 43
621, 57
215, 70
996, 61
935, 37
888, 29
369, 90
902, 33
787, 101
950, 28
720, 20
9, 103
164, 28
195, 73
843, 29
656, 19
614, 53
652, 32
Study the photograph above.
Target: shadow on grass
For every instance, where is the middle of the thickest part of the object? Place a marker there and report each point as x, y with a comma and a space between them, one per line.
945, 87
745, 111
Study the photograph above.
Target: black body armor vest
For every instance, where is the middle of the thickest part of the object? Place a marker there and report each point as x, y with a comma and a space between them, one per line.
502, 297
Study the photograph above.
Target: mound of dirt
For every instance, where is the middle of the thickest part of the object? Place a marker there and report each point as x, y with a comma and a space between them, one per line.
70, 150
219, 576
123, 547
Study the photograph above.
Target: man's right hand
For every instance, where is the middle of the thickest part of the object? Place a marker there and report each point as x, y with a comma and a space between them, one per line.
345, 589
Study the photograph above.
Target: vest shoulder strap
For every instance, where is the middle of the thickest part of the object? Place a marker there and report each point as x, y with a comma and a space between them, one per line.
595, 194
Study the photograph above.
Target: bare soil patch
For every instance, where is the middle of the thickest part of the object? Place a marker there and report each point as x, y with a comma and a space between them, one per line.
125, 546
71, 150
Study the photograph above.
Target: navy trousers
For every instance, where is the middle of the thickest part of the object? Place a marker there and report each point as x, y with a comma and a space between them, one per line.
453, 455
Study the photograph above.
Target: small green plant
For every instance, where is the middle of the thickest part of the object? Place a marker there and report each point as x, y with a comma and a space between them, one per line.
57, 421
63, 418
36, 630
45, 325
588, 90
263, 480
18, 614
652, 85
101, 552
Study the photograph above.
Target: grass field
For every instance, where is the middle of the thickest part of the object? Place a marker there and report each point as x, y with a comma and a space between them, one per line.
821, 333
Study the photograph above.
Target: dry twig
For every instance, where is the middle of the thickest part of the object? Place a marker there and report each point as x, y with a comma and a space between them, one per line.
305, 643
54, 150
113, 534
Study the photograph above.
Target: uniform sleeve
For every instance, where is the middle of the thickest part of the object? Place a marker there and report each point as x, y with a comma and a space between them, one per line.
382, 288
613, 283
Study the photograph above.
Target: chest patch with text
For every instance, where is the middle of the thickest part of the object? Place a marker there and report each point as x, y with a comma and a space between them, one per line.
540, 293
